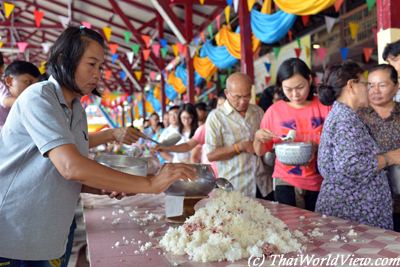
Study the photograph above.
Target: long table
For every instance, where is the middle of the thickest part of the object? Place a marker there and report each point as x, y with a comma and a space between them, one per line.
118, 229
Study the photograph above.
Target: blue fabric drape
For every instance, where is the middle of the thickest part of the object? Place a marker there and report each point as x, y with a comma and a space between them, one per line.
219, 55
170, 92
181, 73
153, 101
140, 108
271, 28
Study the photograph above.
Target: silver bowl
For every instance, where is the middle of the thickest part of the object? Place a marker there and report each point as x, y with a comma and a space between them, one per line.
123, 163
296, 153
203, 185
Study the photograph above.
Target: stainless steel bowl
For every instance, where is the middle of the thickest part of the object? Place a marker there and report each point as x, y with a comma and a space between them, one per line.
203, 185
123, 163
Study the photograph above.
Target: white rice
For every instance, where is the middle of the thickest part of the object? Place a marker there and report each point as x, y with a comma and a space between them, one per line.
230, 227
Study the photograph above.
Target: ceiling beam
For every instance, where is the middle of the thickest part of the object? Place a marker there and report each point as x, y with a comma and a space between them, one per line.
18, 25
196, 2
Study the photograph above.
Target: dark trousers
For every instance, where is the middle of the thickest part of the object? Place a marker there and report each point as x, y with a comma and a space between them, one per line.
269, 197
285, 194
396, 222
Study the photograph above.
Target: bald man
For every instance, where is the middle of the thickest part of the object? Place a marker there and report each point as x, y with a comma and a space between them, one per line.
229, 140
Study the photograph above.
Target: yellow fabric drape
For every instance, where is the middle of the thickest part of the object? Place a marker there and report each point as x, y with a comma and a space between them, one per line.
204, 66
266, 7
157, 92
232, 41
176, 83
304, 7
149, 107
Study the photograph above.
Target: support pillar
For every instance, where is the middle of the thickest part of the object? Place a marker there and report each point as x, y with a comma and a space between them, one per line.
246, 47
160, 24
189, 60
388, 18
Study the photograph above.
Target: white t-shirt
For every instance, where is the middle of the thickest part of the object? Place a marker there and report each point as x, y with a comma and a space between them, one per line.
182, 157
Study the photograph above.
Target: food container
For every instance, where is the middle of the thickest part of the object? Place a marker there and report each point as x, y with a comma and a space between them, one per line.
123, 163
296, 153
203, 185
394, 177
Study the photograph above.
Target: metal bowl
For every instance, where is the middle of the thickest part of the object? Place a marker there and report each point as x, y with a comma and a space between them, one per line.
203, 185
296, 153
123, 163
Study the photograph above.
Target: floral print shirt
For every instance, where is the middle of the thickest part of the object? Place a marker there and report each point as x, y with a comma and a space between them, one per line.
352, 188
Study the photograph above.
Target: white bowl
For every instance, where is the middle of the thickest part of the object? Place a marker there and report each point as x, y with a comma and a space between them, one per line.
296, 153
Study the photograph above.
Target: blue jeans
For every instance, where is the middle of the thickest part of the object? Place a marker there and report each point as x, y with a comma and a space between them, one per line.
60, 262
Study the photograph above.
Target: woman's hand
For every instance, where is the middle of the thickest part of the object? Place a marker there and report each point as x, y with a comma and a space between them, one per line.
126, 135
171, 172
264, 135
115, 194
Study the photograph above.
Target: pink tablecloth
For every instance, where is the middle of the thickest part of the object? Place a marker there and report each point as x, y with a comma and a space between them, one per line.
116, 230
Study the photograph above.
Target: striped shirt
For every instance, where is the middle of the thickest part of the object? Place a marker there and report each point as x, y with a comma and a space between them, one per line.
225, 127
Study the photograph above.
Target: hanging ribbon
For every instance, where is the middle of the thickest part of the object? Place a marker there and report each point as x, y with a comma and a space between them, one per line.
219, 55
303, 7
181, 73
170, 92
204, 67
176, 83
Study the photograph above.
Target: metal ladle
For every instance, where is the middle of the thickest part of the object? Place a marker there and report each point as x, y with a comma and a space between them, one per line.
290, 136
224, 184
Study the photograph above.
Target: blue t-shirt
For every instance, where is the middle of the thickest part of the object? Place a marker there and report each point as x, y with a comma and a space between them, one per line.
36, 203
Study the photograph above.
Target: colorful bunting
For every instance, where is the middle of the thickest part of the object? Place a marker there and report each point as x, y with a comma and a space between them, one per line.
210, 31
201, 2
298, 42
86, 24
147, 40
164, 52
163, 42
229, 2
276, 52
354, 27
344, 51
138, 75
42, 67
175, 50
298, 52
146, 54
114, 58
22, 46
227, 14
107, 74
305, 20
222, 80
135, 48
192, 50
38, 17
122, 75
129, 55
322, 52
330, 22
338, 4
153, 75
367, 53
235, 5
127, 36
218, 20
107, 32
113, 48
8, 9
46, 47
156, 49
267, 66
370, 4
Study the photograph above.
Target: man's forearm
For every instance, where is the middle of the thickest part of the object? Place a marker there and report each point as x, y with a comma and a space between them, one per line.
222, 153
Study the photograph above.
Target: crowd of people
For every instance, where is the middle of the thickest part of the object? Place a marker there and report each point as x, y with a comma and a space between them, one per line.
352, 122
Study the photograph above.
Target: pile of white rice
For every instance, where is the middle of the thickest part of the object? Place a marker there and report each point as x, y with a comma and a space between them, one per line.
230, 227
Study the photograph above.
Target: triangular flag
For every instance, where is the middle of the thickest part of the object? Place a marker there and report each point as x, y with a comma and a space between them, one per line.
267, 66
181, 48
64, 21
201, 2
322, 51
164, 52
298, 52
146, 54
250, 3
227, 14
138, 75
203, 38
344, 51
330, 22
122, 75
113, 48
235, 5
146, 40
114, 58
354, 27
86, 24
222, 79
156, 49
375, 32
38, 17
46, 47
8, 9
192, 50
338, 4
305, 20
135, 48
290, 34
22, 46
1, 44
129, 55
276, 52
210, 31
308, 51
175, 50
298, 42
107, 74
127, 36
153, 75
107, 32
163, 42
267, 79
196, 41
42, 67
367, 53
217, 19
370, 4
229, 2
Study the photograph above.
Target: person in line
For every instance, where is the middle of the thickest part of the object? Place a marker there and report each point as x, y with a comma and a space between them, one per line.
17, 77
44, 162
383, 117
355, 185
202, 112
229, 139
301, 111
391, 54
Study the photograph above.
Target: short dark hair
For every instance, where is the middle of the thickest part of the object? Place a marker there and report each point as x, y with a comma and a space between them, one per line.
267, 97
19, 67
1, 60
189, 108
288, 69
201, 106
335, 79
173, 107
389, 68
391, 49
66, 53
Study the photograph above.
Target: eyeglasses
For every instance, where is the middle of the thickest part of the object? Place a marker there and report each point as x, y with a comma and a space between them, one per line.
239, 97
